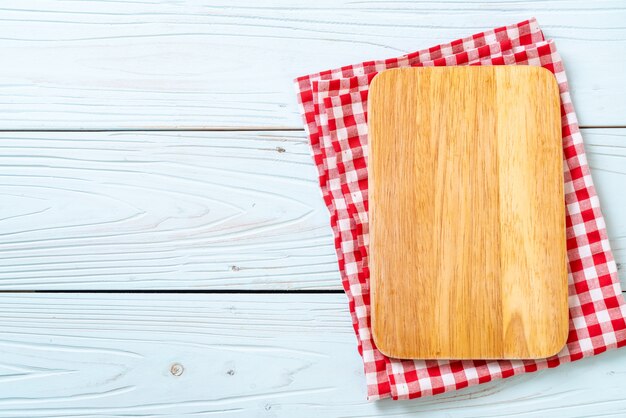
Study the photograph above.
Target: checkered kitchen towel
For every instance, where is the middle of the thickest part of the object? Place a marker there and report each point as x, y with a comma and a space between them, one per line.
334, 103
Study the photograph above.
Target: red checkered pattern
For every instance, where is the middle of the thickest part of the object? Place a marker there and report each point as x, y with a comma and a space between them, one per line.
334, 105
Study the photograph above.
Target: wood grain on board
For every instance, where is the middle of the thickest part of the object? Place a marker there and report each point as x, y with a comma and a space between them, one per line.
105, 64
467, 213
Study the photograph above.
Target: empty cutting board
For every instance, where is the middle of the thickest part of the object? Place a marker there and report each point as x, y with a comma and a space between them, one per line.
467, 215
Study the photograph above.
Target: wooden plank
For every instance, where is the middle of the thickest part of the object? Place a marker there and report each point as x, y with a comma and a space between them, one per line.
204, 210
467, 213
277, 356
606, 154
210, 63
162, 210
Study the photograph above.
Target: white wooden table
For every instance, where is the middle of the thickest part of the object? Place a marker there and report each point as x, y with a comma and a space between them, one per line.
164, 247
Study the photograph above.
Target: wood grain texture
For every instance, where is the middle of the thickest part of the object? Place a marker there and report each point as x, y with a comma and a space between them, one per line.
467, 214
606, 154
162, 210
240, 356
106, 210
106, 64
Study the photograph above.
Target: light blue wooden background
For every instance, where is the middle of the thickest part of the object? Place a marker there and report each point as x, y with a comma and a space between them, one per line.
155, 145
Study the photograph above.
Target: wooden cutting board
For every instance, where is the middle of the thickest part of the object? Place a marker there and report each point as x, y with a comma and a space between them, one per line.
467, 216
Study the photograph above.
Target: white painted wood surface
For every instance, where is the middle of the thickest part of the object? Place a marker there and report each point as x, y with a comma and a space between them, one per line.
156, 209
113, 210
240, 356
202, 210
100, 64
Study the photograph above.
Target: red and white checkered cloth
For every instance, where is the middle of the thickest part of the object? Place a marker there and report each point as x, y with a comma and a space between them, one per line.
334, 105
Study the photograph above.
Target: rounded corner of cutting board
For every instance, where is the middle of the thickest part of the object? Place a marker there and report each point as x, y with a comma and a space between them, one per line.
549, 78
379, 342
551, 350
540, 72
377, 85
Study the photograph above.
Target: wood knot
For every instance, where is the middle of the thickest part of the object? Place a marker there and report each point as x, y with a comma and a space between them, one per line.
176, 369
